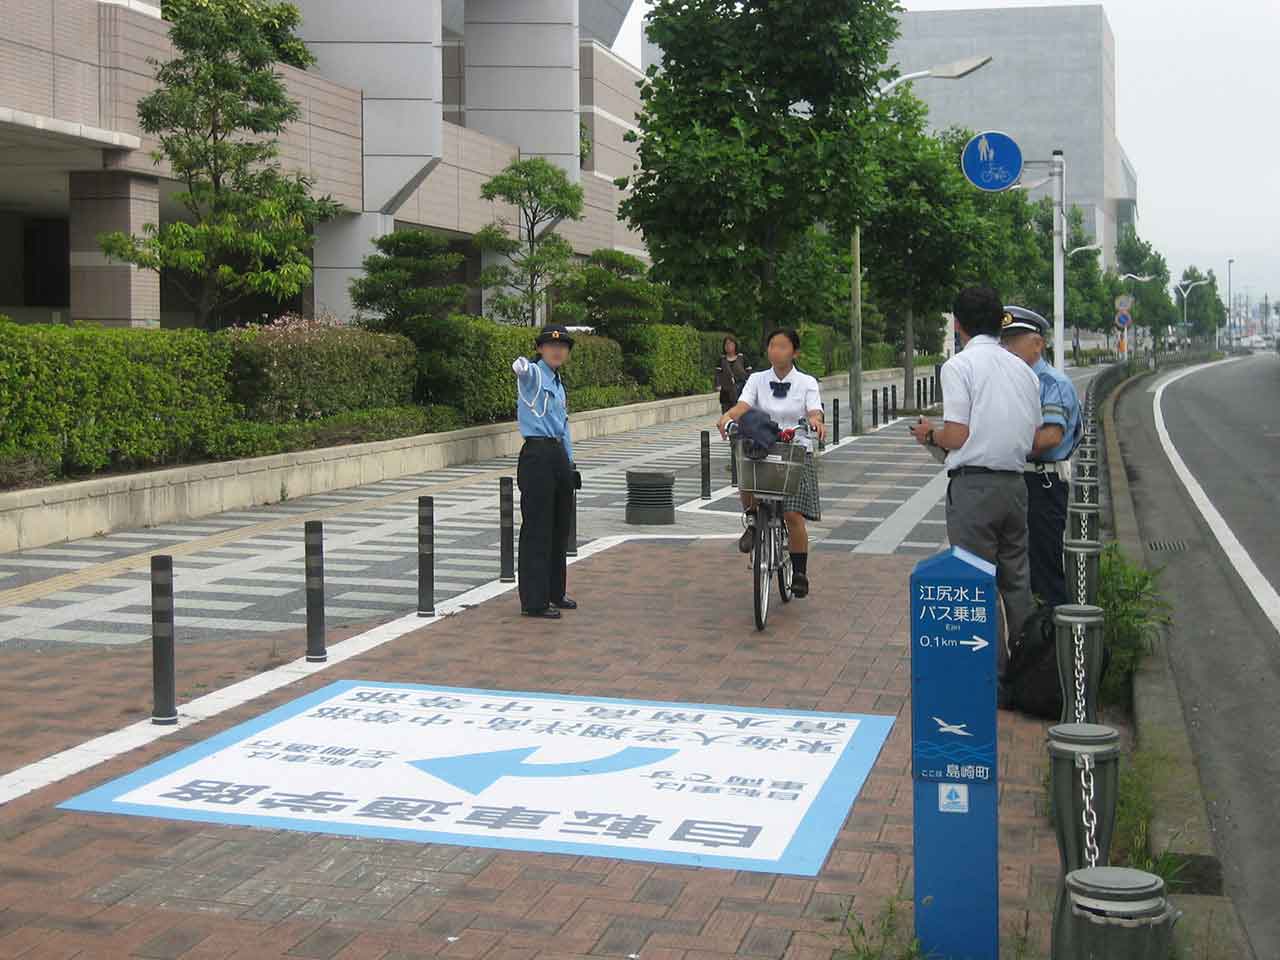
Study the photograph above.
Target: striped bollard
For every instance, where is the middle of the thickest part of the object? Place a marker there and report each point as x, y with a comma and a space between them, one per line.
507, 529
426, 557
164, 697
313, 552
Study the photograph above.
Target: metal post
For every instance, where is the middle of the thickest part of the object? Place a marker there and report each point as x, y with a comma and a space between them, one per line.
835, 420
875, 409
855, 333
706, 464
1079, 645
1083, 520
733, 463
164, 697
1059, 256
507, 530
893, 395
933, 389
571, 549
884, 403
1068, 744
313, 550
426, 557
1114, 912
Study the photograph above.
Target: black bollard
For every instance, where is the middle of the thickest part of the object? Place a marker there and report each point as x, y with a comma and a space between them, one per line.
426, 557
164, 697
893, 395
933, 389
875, 408
507, 525
571, 548
919, 394
884, 404
835, 420
313, 550
706, 464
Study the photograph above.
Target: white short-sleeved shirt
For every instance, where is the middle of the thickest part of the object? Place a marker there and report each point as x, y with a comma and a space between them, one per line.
997, 396
802, 396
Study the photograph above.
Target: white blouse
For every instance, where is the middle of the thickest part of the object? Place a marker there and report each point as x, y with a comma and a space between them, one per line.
787, 411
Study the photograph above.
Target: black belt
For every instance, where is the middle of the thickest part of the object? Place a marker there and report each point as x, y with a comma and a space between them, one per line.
542, 440
964, 471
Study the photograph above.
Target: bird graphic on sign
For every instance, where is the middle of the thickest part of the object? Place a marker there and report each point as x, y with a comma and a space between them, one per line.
956, 728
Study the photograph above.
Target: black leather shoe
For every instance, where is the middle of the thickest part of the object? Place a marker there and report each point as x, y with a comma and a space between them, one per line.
546, 613
565, 603
799, 585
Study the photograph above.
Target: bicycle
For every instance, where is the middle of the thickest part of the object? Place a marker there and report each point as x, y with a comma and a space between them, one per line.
770, 481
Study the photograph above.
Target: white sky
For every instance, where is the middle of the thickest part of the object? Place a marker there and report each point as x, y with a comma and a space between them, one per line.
1198, 112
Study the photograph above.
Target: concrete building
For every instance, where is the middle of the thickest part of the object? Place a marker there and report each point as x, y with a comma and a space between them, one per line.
411, 106
1050, 85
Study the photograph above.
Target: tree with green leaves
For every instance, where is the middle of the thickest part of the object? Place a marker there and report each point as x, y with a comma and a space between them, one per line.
610, 293
1204, 309
410, 283
1152, 308
219, 106
920, 243
754, 129
813, 279
536, 257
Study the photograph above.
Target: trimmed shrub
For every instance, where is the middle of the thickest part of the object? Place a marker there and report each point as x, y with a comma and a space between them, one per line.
596, 398
470, 366
300, 369
815, 349
594, 362
666, 358
78, 399
878, 356
248, 438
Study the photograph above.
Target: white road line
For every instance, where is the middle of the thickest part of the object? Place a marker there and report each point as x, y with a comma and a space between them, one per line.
887, 537
1253, 578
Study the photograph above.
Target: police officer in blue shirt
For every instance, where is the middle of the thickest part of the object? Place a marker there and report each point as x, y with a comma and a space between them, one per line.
546, 475
1048, 470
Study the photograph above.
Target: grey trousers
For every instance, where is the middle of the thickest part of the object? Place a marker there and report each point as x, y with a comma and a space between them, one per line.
987, 515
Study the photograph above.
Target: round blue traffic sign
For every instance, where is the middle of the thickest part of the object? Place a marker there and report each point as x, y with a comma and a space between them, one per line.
992, 161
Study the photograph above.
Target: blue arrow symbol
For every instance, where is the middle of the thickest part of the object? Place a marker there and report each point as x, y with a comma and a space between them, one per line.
476, 772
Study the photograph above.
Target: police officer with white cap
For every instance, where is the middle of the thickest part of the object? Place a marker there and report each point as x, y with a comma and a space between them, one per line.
546, 475
1048, 470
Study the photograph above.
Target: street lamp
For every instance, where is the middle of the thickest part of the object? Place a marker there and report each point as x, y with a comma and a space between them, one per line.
956, 70
1231, 309
1184, 289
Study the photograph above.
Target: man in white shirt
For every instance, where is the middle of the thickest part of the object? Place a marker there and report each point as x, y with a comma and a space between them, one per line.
990, 412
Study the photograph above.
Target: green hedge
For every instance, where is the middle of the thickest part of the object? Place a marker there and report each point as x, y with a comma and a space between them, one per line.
297, 369
667, 359
594, 362
879, 356
596, 398
471, 366
249, 438
816, 344
78, 399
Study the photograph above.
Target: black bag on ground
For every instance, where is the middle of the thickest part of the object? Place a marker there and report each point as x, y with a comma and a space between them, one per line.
1032, 675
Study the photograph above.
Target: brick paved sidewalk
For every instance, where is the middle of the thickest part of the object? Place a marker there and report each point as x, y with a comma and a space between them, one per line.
660, 620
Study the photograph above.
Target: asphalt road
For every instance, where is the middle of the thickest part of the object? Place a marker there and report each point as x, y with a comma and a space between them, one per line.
1224, 421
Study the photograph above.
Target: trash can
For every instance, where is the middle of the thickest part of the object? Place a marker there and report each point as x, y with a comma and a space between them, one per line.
1114, 913
1079, 646
650, 497
1081, 560
1084, 519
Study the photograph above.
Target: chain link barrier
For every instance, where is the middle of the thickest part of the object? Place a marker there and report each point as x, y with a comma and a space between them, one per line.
1087, 815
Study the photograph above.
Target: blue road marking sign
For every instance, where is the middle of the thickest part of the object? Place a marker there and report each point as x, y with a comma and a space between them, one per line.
738, 788
953, 756
992, 161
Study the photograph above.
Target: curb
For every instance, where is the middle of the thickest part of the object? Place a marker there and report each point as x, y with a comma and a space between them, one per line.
1180, 823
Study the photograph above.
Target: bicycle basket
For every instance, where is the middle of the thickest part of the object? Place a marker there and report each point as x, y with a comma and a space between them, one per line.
778, 475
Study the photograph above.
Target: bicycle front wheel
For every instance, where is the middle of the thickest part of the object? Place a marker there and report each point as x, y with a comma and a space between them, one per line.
762, 567
783, 559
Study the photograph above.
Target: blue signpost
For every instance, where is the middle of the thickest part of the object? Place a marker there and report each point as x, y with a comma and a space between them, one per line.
992, 161
953, 756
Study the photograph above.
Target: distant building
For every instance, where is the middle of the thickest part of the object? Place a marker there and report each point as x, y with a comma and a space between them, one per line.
1050, 85
411, 106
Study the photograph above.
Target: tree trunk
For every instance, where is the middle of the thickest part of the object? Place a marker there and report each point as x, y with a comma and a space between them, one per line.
909, 358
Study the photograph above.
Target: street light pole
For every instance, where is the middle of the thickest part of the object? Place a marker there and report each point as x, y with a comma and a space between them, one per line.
1231, 308
950, 71
1185, 289
1059, 175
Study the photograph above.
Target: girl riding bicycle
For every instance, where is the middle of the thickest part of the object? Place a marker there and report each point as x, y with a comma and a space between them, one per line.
787, 395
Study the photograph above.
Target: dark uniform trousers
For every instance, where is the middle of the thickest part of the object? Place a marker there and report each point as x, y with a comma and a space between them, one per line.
546, 499
1046, 527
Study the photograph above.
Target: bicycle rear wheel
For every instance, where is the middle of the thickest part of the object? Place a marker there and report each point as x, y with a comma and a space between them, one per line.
762, 566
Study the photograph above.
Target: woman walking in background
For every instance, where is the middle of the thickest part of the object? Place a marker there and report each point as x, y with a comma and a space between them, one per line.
731, 374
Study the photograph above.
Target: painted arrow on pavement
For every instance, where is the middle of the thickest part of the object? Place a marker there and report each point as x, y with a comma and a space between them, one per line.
977, 643
476, 772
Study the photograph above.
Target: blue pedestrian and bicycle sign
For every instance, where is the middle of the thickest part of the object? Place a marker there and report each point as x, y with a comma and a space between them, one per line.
710, 786
992, 161
953, 756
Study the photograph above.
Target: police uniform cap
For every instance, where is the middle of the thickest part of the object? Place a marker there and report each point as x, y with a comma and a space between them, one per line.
1021, 320
554, 333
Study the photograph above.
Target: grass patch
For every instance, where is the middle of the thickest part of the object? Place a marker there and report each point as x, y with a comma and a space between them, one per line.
1129, 595
1131, 840
886, 936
